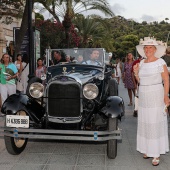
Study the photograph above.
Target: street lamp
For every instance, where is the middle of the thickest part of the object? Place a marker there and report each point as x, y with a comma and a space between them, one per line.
31, 39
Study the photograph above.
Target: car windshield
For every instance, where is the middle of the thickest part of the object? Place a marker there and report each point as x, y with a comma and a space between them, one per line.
88, 56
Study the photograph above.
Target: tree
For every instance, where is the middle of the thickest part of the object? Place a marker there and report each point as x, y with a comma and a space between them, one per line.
39, 16
167, 19
19, 8
15, 8
94, 31
62, 8
51, 6
52, 34
68, 8
10, 9
144, 23
23, 29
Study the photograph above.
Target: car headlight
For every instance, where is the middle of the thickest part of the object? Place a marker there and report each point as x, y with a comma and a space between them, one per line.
90, 91
36, 90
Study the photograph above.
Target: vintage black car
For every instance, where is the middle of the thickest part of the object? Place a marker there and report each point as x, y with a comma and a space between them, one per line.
76, 101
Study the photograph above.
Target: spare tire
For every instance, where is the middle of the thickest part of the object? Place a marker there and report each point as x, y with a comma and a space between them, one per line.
113, 87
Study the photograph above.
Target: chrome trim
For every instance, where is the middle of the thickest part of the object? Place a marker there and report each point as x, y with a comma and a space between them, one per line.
64, 119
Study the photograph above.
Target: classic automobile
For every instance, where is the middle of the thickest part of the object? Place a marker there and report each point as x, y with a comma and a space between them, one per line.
79, 102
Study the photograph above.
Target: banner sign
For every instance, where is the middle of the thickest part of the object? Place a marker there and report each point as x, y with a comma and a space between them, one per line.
25, 43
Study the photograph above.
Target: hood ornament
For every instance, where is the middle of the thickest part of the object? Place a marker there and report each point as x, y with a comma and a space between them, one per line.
64, 70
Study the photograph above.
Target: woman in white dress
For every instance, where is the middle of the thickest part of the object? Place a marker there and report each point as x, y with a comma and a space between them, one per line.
118, 69
152, 73
25, 72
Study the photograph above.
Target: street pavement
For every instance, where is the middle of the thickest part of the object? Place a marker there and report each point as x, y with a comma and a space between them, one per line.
83, 156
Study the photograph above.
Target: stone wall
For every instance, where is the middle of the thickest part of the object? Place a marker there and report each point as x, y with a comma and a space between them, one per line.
6, 35
3, 41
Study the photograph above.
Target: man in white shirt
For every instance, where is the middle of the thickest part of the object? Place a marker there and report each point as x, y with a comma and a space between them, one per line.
94, 56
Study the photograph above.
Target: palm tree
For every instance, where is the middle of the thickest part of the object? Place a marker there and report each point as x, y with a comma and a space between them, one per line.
94, 31
68, 8
61, 8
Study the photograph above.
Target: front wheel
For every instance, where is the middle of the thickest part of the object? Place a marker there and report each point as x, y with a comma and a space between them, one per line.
13, 145
112, 144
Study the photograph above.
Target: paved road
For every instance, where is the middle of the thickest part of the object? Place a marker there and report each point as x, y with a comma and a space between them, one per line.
78, 156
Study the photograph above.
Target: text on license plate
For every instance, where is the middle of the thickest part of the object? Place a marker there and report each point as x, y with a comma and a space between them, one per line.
17, 121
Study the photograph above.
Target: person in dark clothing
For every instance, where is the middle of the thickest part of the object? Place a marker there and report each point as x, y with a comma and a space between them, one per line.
135, 113
44, 61
166, 58
58, 58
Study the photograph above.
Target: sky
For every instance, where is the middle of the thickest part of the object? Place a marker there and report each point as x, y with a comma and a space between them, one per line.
138, 10
141, 10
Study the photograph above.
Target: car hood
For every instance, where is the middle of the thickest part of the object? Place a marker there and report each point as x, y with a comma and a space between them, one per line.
79, 73
82, 79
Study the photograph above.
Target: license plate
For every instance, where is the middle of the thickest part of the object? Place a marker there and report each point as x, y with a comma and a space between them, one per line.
17, 121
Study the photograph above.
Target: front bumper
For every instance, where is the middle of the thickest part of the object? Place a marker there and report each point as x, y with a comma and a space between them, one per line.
72, 135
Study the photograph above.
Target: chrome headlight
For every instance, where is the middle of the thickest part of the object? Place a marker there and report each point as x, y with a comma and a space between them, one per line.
36, 90
90, 91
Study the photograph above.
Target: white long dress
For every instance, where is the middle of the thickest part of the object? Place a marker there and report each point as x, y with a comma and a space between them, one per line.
24, 76
118, 70
152, 131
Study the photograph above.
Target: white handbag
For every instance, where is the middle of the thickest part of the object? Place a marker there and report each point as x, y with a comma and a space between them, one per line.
136, 103
136, 99
19, 86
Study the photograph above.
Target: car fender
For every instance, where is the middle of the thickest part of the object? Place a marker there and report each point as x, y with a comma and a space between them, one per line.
114, 107
17, 102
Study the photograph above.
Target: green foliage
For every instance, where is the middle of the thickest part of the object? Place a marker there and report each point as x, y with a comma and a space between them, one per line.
53, 35
127, 33
95, 32
39, 16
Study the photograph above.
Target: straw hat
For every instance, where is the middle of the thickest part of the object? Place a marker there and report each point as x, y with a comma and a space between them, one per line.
160, 47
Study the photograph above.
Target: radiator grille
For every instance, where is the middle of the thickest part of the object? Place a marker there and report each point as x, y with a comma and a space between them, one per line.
64, 100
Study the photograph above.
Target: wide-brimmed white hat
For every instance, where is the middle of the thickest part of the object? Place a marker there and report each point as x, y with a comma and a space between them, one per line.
160, 47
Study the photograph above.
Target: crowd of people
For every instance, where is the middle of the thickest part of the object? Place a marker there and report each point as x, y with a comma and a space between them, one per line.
12, 74
92, 58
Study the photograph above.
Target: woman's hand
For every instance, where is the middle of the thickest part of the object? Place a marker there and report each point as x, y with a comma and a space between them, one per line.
166, 101
9, 78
